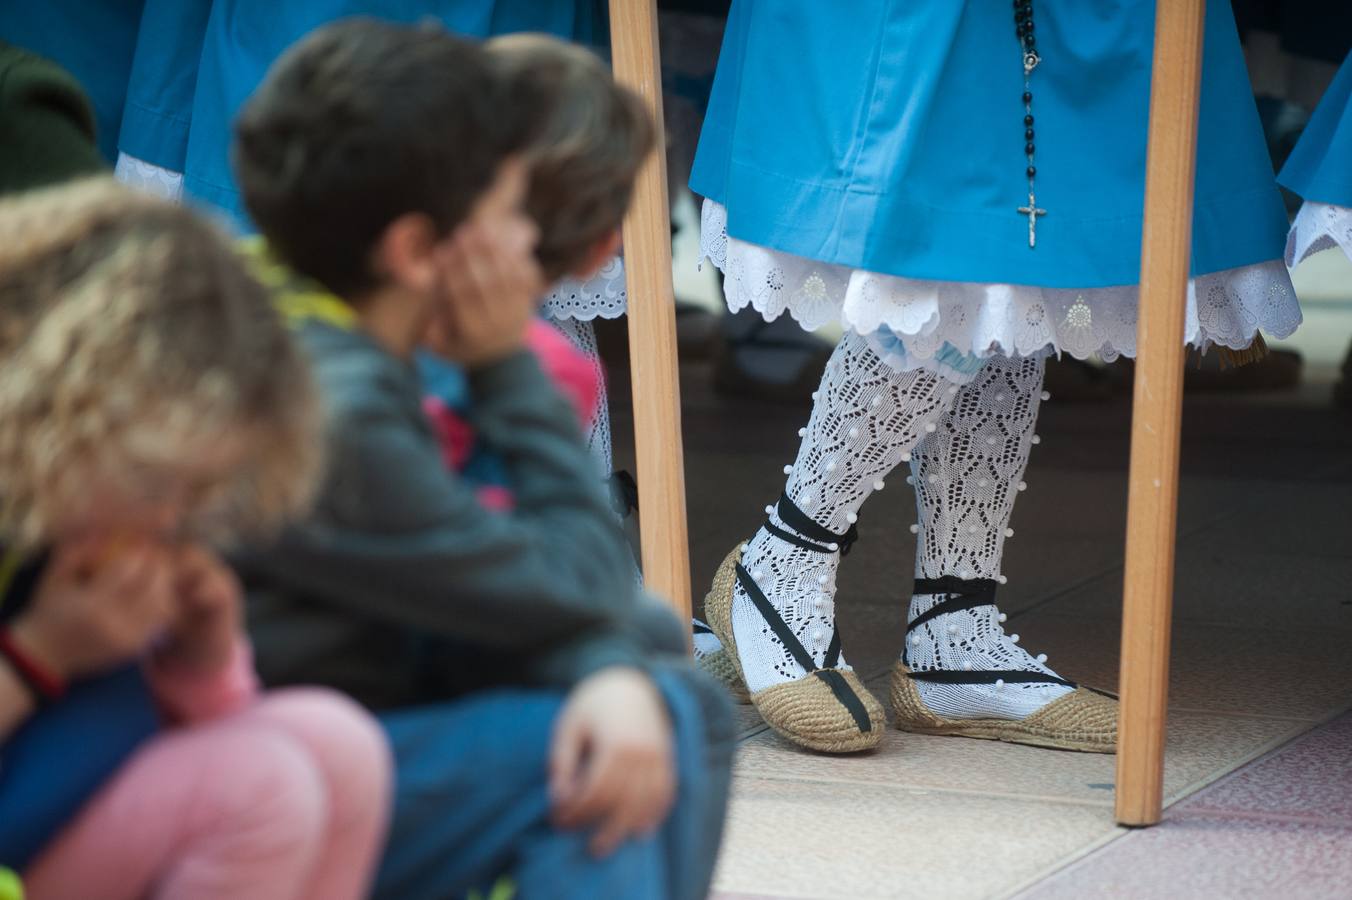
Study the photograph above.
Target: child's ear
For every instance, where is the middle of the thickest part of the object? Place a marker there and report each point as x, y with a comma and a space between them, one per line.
601, 253
406, 252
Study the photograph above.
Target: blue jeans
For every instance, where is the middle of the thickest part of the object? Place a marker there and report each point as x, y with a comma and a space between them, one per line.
57, 760
472, 804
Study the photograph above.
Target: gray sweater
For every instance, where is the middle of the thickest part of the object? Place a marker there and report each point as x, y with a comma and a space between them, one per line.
400, 588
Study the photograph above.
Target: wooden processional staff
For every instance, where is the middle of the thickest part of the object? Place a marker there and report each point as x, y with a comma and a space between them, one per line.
1157, 410
652, 323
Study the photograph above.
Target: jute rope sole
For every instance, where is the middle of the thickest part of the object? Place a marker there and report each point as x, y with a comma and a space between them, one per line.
719, 664
807, 711
1081, 720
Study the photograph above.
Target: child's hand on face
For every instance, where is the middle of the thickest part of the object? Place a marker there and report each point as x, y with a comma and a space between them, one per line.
207, 612
491, 288
611, 761
98, 605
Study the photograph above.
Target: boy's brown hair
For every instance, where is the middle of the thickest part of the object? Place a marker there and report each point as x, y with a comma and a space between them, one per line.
585, 137
130, 330
359, 123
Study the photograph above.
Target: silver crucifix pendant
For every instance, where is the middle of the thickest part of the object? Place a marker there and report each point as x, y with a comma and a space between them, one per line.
1032, 212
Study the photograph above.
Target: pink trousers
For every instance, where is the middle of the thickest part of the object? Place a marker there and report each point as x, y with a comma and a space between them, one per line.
284, 800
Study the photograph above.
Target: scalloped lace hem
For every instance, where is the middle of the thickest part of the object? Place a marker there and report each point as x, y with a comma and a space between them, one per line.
601, 296
1319, 226
941, 322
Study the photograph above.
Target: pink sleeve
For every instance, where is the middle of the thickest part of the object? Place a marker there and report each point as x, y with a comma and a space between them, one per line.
187, 696
568, 367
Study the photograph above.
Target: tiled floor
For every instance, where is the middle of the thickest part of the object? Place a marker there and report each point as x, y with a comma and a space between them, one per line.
1281, 827
1263, 621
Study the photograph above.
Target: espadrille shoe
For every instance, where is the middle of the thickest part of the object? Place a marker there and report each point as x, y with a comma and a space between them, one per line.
829, 709
719, 665
1077, 719
1082, 720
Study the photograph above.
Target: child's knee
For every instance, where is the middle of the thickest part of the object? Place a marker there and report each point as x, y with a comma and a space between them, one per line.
262, 795
345, 742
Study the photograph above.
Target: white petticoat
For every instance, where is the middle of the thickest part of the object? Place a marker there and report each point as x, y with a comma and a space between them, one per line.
601, 295
157, 180
946, 325
1319, 226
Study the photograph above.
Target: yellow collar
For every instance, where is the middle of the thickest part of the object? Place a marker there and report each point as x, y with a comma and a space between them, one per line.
298, 299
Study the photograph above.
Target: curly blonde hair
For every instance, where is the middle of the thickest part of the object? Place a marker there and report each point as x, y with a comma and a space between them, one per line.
128, 323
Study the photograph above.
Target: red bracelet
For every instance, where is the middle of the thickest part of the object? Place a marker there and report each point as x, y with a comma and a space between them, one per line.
45, 685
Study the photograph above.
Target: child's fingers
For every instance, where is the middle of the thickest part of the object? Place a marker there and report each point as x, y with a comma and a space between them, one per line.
154, 588
565, 763
78, 558
598, 796
516, 269
457, 277
609, 835
200, 572
192, 567
624, 820
143, 583
505, 264
127, 571
478, 274
194, 558
661, 795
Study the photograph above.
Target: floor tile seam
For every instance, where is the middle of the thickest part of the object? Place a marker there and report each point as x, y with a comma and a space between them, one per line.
1342, 823
1097, 845
1280, 747
1314, 720
1179, 796
1135, 834
1274, 749
715, 891
926, 789
1271, 746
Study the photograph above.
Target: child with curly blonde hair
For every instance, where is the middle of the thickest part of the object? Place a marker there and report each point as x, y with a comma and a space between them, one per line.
152, 407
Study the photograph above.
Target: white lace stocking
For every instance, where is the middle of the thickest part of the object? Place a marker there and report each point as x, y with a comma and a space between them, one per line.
967, 475
865, 419
703, 641
583, 336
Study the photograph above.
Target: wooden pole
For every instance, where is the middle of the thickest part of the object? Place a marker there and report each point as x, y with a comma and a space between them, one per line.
652, 323
1152, 503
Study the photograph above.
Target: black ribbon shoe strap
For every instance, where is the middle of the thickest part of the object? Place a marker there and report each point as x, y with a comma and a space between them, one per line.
775, 620
952, 584
832, 658
833, 679
847, 697
799, 521
700, 628
786, 535
989, 676
962, 595
966, 594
